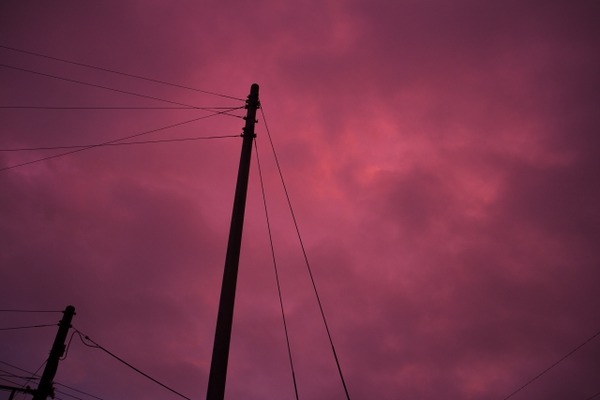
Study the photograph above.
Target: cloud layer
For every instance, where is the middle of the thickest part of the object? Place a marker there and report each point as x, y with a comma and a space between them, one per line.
441, 159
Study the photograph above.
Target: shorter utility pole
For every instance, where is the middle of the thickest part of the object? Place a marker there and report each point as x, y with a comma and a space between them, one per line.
45, 388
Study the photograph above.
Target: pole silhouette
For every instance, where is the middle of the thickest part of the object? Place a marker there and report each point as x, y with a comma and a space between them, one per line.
220, 355
45, 388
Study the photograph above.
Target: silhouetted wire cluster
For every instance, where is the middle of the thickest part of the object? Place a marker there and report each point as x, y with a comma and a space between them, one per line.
214, 111
13, 382
35, 377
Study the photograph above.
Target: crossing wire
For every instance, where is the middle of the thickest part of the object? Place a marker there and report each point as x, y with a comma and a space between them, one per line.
287, 337
32, 311
66, 394
186, 139
118, 72
114, 108
9, 374
95, 345
62, 78
306, 262
78, 391
35, 376
26, 327
5, 373
554, 365
17, 385
105, 143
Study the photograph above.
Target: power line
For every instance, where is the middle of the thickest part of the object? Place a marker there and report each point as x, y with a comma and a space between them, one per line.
119, 72
67, 394
15, 367
14, 383
114, 108
6, 373
20, 387
66, 352
28, 380
105, 143
34, 376
56, 383
31, 311
287, 337
78, 391
9, 381
554, 365
62, 78
307, 263
26, 327
187, 139
83, 338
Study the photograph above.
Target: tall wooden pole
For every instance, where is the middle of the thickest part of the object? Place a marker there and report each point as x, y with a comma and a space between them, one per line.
58, 348
220, 356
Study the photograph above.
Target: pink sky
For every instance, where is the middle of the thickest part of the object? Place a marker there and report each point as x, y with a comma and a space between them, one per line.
442, 158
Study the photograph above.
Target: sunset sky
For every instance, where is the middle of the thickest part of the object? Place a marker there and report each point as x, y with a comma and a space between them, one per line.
442, 158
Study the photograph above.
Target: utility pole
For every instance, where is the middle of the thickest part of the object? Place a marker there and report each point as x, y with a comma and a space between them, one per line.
58, 348
220, 356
